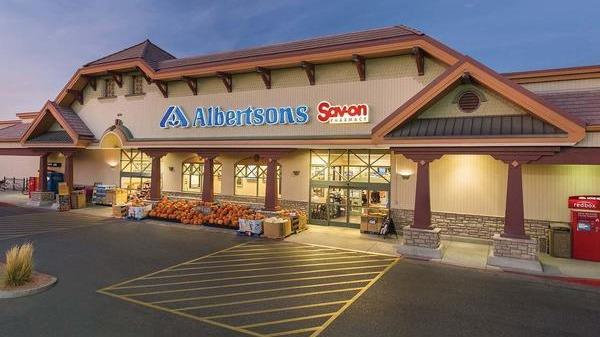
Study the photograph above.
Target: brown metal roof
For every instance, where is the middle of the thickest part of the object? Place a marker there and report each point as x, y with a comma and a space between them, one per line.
522, 125
295, 46
14, 132
146, 50
75, 123
52, 137
583, 104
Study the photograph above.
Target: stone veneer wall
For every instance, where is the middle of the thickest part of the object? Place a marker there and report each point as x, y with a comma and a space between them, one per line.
473, 226
259, 201
422, 237
515, 248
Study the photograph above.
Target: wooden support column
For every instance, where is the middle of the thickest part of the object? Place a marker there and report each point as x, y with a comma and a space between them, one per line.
208, 182
43, 173
271, 193
514, 215
422, 216
155, 155
69, 168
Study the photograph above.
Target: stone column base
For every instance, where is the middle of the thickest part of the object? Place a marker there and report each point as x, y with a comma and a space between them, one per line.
40, 199
511, 253
421, 243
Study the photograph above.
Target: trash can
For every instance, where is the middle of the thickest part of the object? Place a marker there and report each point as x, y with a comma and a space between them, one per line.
560, 240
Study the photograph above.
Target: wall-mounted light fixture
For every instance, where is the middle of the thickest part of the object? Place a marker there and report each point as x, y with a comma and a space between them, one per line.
171, 168
112, 164
405, 174
296, 173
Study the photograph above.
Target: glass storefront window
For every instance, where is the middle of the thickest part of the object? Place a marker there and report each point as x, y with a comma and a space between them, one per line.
136, 170
251, 178
193, 174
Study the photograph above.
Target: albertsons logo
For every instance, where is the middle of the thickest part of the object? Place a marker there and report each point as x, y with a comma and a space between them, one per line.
174, 118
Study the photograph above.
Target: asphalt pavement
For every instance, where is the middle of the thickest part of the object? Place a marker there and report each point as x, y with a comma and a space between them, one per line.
411, 298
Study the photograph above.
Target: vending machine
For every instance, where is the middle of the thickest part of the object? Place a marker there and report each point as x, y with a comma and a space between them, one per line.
585, 227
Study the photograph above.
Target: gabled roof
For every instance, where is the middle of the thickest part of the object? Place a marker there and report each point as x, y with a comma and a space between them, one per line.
584, 104
295, 46
73, 126
13, 133
554, 74
146, 51
573, 127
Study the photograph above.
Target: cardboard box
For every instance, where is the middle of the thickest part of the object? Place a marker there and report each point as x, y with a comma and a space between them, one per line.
116, 196
63, 189
78, 199
275, 228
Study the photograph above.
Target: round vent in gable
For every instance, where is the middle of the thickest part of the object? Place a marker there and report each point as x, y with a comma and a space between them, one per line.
468, 101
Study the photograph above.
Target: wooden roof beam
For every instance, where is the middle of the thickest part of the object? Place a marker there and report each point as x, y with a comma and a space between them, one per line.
146, 77
192, 84
117, 77
361, 66
78, 94
227, 80
419, 55
163, 87
309, 68
91, 80
265, 74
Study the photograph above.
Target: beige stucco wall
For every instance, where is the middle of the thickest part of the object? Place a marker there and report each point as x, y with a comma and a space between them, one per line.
592, 83
494, 105
477, 185
18, 166
390, 82
96, 166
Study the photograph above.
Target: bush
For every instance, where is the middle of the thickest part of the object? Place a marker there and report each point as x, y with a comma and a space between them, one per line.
19, 265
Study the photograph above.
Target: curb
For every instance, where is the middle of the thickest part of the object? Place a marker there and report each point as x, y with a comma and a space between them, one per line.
27, 292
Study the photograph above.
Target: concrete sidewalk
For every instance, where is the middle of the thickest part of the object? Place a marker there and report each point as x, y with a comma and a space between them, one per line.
458, 253
471, 254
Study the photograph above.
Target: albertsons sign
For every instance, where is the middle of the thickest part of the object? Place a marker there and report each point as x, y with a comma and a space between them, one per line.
214, 116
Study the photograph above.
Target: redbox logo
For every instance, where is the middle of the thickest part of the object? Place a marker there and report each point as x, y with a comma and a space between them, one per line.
584, 204
342, 114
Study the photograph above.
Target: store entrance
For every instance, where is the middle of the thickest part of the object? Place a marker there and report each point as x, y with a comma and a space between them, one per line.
348, 184
344, 205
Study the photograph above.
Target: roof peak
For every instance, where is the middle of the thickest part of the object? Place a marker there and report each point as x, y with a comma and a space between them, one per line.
146, 50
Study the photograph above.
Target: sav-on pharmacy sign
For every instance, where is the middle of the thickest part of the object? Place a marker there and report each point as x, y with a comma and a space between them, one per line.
214, 116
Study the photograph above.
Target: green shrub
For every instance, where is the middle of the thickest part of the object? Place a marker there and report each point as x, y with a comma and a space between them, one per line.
19, 265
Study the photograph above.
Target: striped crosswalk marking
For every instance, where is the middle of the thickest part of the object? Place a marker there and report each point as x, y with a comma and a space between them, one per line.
261, 288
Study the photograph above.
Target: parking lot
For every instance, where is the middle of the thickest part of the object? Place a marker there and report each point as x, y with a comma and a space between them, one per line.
260, 289
124, 278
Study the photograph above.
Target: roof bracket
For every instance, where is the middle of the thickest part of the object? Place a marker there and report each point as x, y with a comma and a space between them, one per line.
92, 82
419, 59
361, 66
227, 80
265, 74
78, 94
163, 87
117, 77
146, 77
192, 83
466, 78
309, 68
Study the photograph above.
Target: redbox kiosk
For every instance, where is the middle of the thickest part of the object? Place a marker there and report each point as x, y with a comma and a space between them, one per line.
585, 227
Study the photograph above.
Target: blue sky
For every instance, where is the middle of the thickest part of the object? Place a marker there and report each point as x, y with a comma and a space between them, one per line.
44, 42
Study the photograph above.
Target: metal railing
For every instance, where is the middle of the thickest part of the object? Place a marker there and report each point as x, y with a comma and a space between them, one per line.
14, 184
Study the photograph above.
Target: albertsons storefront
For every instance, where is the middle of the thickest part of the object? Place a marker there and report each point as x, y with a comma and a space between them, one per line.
381, 121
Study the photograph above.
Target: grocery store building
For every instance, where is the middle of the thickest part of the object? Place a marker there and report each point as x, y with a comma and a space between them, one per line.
386, 119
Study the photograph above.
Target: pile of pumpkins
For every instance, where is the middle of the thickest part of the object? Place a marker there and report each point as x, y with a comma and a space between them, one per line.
189, 213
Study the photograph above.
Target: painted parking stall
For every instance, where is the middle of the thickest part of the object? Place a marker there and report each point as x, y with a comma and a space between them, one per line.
260, 289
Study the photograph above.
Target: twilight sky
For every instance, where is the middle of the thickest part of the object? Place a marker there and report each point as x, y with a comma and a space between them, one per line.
44, 42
